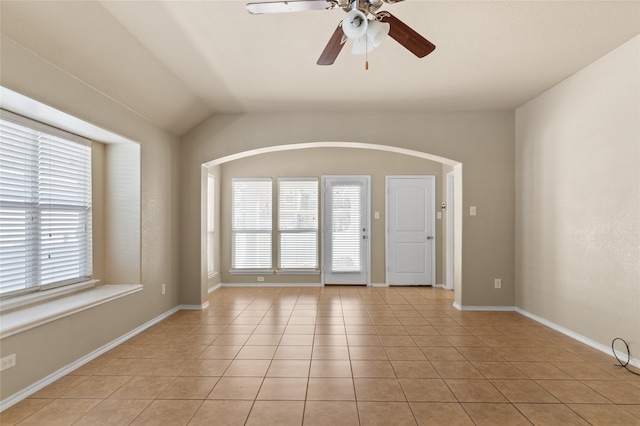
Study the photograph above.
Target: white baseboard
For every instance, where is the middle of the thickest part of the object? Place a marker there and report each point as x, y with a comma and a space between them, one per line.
214, 288
205, 305
580, 338
40, 384
484, 308
379, 285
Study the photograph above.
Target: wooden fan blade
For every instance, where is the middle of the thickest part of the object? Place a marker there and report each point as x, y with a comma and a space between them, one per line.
407, 37
290, 6
333, 48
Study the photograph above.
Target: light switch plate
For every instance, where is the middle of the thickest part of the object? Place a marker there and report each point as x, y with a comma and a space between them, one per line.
472, 210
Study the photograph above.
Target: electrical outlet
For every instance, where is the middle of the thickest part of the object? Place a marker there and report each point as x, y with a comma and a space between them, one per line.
164, 288
8, 362
497, 283
260, 279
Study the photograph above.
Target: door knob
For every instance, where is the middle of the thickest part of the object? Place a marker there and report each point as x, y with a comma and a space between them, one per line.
429, 237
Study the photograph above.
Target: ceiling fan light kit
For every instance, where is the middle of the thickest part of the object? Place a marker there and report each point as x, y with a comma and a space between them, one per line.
361, 46
355, 24
366, 33
377, 31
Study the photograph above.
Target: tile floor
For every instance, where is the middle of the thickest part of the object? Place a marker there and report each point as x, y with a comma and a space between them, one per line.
340, 356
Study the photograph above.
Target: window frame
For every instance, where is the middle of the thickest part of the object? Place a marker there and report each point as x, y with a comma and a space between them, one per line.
248, 231
48, 135
282, 231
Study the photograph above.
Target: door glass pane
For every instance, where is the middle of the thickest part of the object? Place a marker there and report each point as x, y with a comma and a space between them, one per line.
346, 229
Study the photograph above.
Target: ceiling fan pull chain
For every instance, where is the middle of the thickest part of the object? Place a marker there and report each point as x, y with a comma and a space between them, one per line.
366, 54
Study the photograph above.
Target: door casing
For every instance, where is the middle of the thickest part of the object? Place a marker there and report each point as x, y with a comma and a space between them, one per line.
429, 218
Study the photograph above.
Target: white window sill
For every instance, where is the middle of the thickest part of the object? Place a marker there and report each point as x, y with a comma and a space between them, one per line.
298, 271
22, 319
14, 302
251, 271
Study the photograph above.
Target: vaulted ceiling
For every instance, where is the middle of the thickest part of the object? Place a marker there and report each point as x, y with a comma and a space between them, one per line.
176, 63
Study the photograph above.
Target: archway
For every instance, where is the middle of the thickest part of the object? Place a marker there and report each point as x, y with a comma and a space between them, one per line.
457, 185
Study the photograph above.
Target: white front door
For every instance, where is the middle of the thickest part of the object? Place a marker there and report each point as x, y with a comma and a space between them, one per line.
346, 229
410, 230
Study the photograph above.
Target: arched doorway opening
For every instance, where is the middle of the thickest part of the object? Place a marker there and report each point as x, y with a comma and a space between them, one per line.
453, 234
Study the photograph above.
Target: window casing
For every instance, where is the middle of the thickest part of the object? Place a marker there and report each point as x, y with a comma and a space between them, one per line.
251, 224
45, 206
297, 224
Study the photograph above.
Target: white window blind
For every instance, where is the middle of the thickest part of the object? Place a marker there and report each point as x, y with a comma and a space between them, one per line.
298, 223
346, 235
211, 267
45, 206
251, 223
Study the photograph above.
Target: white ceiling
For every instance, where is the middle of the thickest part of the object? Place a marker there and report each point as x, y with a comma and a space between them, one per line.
178, 62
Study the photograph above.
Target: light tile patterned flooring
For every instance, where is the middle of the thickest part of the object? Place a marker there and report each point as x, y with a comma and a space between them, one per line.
340, 356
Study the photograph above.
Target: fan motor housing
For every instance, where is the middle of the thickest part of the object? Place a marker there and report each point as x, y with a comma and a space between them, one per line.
366, 6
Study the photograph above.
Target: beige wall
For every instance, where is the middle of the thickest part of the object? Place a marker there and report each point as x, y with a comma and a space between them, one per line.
316, 162
578, 200
115, 185
122, 214
446, 169
214, 280
483, 142
45, 349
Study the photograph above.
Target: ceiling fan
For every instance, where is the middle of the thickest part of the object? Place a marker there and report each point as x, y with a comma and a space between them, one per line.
364, 24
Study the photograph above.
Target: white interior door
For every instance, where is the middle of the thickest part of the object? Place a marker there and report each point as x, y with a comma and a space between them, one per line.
410, 230
346, 230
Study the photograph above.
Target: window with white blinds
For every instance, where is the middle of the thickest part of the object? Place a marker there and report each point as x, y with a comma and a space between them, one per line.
45, 206
251, 223
298, 223
211, 267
